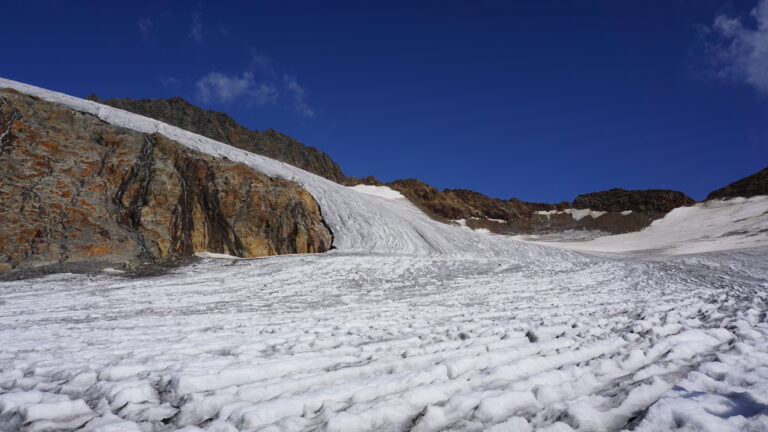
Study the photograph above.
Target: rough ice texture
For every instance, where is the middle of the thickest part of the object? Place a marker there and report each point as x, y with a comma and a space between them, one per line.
77, 190
435, 328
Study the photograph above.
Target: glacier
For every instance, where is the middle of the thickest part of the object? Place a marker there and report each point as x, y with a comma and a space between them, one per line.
409, 325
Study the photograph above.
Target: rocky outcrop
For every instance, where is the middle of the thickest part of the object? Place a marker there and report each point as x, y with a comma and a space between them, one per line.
650, 201
78, 191
756, 184
220, 127
615, 211
465, 204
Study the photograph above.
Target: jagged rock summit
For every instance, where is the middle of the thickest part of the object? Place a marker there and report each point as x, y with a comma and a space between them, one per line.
79, 193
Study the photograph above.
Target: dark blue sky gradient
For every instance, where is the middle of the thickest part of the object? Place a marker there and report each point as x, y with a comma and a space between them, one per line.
539, 100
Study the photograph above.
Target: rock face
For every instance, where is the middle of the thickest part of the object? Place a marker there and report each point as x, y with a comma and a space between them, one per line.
756, 184
650, 201
220, 127
79, 192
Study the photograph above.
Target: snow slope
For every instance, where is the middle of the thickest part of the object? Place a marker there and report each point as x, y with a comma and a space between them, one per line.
705, 227
411, 325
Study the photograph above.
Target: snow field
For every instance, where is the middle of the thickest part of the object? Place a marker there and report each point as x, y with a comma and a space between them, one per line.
372, 342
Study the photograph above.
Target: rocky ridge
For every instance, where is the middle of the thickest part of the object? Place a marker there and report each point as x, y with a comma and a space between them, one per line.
614, 211
221, 127
649, 201
79, 193
753, 185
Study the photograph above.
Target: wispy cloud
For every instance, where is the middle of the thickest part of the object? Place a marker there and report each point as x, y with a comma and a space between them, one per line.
260, 84
299, 96
220, 88
741, 48
196, 32
168, 81
145, 27
262, 64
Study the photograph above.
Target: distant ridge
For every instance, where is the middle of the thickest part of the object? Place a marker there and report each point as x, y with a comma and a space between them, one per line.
753, 185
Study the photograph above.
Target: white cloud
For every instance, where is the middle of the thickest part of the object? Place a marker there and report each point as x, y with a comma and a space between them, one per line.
742, 51
220, 88
262, 83
263, 64
299, 96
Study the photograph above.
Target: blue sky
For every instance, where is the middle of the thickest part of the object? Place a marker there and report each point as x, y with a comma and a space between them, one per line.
540, 100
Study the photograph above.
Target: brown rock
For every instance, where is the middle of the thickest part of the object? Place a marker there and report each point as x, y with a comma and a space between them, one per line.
465, 204
77, 190
756, 184
650, 201
515, 216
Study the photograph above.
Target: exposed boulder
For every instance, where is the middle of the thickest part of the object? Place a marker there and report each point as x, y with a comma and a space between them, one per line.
756, 184
650, 201
220, 127
76, 190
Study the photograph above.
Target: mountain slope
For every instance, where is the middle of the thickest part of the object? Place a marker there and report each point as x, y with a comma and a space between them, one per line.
753, 185
220, 127
653, 202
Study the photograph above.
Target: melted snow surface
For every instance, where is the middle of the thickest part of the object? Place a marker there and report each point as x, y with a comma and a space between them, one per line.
411, 325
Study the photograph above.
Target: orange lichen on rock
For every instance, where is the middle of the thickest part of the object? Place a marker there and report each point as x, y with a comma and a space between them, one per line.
76, 189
